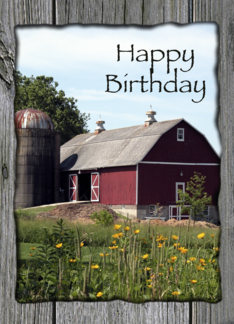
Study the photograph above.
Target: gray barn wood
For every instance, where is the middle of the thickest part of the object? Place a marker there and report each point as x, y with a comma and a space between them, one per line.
139, 12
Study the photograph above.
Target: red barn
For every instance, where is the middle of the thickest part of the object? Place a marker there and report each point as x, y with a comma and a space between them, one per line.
134, 168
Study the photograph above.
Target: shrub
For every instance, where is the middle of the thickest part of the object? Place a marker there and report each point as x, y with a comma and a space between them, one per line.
103, 218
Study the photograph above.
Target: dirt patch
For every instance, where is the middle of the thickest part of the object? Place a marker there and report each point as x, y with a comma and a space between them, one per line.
78, 212
81, 213
173, 222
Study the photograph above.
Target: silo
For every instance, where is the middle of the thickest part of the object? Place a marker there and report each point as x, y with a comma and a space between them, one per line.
37, 160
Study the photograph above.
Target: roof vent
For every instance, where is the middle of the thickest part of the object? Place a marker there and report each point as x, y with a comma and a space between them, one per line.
150, 114
100, 126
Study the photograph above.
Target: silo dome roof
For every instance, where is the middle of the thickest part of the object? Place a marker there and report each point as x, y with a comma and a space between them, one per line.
32, 118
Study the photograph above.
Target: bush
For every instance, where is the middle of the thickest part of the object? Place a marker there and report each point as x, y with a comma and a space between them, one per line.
103, 218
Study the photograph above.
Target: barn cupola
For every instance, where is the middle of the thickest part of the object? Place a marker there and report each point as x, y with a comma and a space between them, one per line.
100, 128
150, 117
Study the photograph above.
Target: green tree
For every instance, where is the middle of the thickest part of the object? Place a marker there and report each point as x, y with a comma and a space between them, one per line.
40, 93
194, 196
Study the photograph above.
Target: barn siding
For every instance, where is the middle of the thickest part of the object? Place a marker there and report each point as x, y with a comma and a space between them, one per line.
118, 185
195, 148
156, 182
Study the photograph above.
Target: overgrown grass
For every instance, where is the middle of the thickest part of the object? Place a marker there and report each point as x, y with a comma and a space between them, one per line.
130, 262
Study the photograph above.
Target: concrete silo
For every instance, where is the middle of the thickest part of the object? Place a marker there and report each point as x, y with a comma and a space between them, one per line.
37, 160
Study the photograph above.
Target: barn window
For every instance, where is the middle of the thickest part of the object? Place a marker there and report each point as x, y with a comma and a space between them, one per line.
206, 211
95, 186
180, 134
181, 186
152, 210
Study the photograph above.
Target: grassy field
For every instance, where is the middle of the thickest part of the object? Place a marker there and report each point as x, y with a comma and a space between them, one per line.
130, 262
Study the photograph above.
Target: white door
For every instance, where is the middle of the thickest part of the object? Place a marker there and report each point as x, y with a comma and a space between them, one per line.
95, 186
72, 187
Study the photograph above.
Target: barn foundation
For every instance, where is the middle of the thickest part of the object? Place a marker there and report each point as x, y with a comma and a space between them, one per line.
143, 211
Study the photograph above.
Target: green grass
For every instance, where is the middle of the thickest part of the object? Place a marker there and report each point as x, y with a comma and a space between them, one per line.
29, 212
57, 270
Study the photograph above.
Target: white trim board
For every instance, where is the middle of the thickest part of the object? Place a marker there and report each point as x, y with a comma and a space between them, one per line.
179, 163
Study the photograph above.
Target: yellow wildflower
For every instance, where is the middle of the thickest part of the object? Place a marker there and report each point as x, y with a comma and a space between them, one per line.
32, 248
176, 245
171, 269
99, 294
199, 267
149, 286
160, 245
149, 280
212, 235
175, 293
117, 235
114, 242
216, 249
58, 246
101, 254
30, 254
192, 258
200, 236
183, 250
147, 268
117, 227
175, 237
159, 238
152, 276
213, 261
193, 281
81, 244
136, 231
126, 228
173, 258
202, 260
160, 273
161, 265
113, 247
72, 260
145, 256
95, 266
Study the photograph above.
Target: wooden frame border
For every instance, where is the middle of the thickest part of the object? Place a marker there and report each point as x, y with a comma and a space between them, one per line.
115, 12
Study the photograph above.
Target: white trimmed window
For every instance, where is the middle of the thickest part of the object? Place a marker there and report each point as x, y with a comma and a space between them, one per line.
181, 186
206, 211
180, 134
152, 210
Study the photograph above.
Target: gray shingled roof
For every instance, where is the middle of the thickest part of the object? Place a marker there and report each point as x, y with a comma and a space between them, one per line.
112, 148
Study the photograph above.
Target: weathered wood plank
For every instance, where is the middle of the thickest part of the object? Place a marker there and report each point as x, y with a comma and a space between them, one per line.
141, 12
119, 312
222, 12
13, 13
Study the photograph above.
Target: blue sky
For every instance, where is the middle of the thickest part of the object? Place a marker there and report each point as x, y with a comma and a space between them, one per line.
80, 57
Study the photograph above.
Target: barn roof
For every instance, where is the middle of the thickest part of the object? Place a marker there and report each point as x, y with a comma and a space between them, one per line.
112, 148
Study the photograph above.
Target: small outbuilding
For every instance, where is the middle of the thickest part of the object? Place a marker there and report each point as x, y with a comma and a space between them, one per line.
132, 169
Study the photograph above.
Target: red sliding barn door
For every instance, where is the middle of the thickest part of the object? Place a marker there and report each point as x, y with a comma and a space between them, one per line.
72, 187
95, 186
